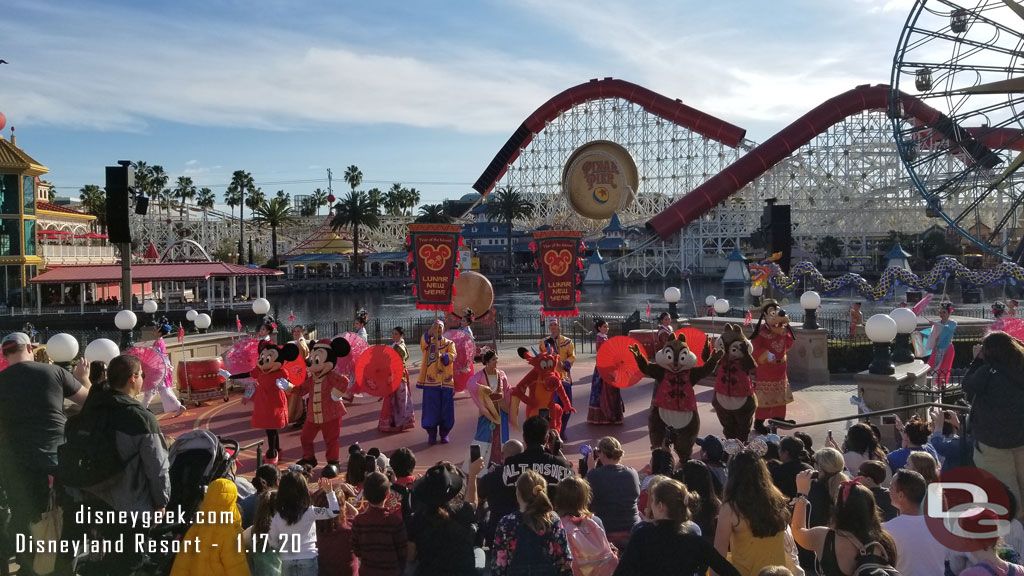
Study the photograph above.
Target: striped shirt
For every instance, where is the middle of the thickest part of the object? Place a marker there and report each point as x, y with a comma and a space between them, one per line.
380, 542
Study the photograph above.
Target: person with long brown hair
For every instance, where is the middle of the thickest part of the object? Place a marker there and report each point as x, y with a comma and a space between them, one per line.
531, 540
664, 546
860, 446
994, 385
854, 525
753, 520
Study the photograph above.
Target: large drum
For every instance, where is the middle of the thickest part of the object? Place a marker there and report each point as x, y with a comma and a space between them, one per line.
648, 339
474, 291
199, 379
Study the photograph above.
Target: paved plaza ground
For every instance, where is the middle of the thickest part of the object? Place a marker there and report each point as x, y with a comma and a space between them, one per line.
814, 401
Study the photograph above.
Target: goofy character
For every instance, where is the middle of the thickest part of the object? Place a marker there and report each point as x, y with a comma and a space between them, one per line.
674, 408
772, 340
734, 400
541, 390
325, 388
438, 383
270, 405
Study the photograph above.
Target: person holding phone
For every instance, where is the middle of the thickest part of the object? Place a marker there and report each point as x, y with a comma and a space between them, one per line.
953, 450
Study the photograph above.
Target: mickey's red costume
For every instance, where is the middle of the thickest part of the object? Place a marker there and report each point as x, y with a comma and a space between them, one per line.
326, 388
270, 405
539, 389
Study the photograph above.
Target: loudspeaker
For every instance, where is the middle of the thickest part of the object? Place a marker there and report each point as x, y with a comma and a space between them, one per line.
141, 205
118, 226
778, 231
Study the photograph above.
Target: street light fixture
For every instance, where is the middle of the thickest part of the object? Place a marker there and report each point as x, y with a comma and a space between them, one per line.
149, 306
101, 349
881, 330
260, 306
721, 306
203, 322
906, 323
756, 291
125, 321
672, 296
810, 301
62, 349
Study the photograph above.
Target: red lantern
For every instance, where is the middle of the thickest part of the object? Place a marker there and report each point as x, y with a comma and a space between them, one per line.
330, 198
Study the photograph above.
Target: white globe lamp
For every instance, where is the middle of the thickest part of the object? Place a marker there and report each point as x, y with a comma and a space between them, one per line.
191, 315
203, 322
101, 349
710, 300
125, 321
149, 307
906, 323
810, 301
62, 348
260, 306
881, 330
721, 306
672, 295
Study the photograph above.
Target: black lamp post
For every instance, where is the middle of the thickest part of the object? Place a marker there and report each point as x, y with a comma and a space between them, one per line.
881, 330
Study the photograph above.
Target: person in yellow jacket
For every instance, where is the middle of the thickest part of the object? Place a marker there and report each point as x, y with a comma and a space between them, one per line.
437, 379
219, 552
559, 345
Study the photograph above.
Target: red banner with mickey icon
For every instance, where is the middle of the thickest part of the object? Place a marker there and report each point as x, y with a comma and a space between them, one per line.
434, 254
558, 257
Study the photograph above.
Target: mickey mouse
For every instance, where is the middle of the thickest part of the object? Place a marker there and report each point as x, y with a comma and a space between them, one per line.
325, 388
270, 405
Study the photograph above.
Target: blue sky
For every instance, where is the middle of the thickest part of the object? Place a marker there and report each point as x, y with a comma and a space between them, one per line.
423, 93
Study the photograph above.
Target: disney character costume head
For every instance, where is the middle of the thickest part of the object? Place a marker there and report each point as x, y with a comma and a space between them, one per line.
272, 357
774, 318
325, 355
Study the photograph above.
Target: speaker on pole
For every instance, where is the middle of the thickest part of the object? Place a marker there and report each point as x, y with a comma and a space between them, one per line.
778, 231
120, 180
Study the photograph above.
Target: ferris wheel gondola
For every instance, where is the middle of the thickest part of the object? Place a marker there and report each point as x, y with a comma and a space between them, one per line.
956, 105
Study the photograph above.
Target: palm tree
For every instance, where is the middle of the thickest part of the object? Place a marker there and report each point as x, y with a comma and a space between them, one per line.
240, 182
94, 200
157, 182
184, 191
433, 214
318, 199
274, 213
376, 196
205, 199
355, 210
394, 200
255, 198
308, 208
508, 205
354, 176
412, 198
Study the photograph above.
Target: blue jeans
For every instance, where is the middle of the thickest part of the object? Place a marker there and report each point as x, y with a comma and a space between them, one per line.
303, 567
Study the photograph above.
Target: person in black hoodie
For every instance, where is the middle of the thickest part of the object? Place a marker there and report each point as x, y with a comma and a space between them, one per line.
784, 473
535, 457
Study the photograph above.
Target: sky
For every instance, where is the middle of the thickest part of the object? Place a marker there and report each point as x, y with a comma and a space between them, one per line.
416, 92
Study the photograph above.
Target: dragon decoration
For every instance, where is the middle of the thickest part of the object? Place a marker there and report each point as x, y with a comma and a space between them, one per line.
768, 271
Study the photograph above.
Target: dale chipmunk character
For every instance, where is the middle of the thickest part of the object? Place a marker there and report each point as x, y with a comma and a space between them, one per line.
540, 389
734, 400
772, 339
325, 388
270, 405
674, 408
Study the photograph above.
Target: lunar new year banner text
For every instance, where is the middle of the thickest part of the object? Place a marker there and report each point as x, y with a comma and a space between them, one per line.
558, 256
434, 253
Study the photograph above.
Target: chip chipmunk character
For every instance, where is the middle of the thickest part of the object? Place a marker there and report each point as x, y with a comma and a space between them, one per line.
734, 400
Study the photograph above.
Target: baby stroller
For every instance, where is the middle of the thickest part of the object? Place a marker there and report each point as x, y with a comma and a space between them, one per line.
196, 459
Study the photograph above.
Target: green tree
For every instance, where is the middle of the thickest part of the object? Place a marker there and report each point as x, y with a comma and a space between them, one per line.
433, 214
205, 199
376, 196
255, 198
184, 191
829, 248
354, 176
509, 205
158, 180
318, 199
355, 211
394, 200
94, 200
412, 198
241, 181
275, 212
308, 208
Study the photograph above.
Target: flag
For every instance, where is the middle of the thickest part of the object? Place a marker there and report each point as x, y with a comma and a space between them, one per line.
648, 310
747, 319
238, 322
181, 334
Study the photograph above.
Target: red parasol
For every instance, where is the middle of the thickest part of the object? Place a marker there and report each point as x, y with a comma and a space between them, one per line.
154, 370
241, 357
379, 370
3, 363
616, 364
296, 371
696, 340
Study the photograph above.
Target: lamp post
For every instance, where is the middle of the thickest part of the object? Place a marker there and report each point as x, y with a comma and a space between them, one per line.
721, 306
710, 303
881, 330
260, 306
125, 321
756, 291
62, 349
906, 323
672, 296
191, 316
810, 301
203, 322
101, 349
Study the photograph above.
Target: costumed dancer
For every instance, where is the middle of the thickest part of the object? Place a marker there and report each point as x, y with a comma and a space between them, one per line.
396, 413
605, 400
266, 329
325, 388
297, 402
665, 329
856, 318
490, 390
541, 390
771, 344
359, 322
438, 384
464, 372
1005, 323
940, 341
270, 405
734, 400
1012, 308
166, 388
564, 351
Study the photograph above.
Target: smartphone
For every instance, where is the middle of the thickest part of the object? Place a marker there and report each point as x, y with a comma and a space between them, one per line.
888, 419
829, 434
474, 452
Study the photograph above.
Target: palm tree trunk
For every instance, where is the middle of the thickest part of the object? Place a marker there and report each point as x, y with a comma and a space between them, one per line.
509, 231
355, 248
273, 248
241, 231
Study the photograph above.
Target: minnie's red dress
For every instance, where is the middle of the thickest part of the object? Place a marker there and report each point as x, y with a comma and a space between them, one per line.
270, 405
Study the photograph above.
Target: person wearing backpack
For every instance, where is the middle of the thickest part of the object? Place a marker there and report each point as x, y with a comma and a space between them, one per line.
138, 479
853, 543
592, 554
531, 540
664, 547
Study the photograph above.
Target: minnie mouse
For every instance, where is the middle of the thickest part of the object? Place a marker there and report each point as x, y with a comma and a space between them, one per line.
270, 405
325, 388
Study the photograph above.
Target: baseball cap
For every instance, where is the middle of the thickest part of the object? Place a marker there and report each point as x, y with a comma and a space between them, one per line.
14, 339
712, 446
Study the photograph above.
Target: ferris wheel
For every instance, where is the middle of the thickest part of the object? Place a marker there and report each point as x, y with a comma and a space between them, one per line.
956, 106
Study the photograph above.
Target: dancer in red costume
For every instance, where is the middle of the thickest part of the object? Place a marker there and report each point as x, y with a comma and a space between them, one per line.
772, 339
541, 389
